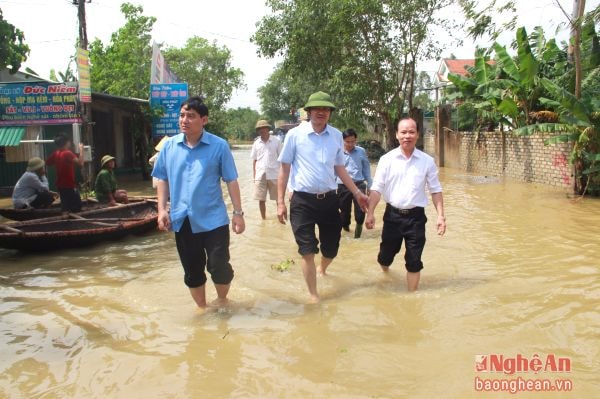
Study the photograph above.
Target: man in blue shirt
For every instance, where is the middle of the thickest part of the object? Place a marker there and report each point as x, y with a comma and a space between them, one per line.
311, 157
189, 170
358, 167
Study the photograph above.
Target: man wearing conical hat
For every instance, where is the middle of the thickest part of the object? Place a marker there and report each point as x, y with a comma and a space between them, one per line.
32, 191
265, 166
106, 184
311, 159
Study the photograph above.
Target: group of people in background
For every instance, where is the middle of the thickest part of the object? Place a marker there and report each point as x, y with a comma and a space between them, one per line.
32, 189
319, 169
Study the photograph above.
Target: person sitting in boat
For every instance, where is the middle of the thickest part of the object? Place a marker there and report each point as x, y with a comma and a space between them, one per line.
32, 190
106, 184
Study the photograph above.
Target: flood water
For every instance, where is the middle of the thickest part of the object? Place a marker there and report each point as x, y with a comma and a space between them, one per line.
518, 273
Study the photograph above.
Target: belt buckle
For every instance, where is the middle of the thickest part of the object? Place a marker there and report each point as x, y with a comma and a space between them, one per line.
404, 211
321, 195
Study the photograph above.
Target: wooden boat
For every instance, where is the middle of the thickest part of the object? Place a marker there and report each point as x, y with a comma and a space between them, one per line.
77, 230
54, 210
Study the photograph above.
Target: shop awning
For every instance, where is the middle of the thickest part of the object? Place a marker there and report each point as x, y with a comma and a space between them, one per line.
11, 136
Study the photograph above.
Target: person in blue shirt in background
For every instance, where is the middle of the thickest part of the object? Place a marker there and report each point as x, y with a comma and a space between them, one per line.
189, 170
358, 167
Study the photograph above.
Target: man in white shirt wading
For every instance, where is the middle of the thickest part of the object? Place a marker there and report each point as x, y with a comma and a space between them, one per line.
265, 166
401, 177
314, 153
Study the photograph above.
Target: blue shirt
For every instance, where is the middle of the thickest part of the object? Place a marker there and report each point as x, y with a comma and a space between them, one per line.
312, 158
194, 176
357, 165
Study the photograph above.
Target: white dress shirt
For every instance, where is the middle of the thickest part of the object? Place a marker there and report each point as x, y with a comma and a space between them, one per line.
265, 154
402, 181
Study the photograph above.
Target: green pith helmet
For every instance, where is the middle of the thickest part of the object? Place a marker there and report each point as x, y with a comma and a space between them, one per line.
319, 99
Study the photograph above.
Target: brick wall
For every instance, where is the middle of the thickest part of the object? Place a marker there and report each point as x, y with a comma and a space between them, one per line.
516, 157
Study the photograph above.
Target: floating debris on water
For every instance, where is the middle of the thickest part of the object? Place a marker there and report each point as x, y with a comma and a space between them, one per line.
283, 266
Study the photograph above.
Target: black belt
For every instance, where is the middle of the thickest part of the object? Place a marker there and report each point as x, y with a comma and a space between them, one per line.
417, 210
317, 196
358, 183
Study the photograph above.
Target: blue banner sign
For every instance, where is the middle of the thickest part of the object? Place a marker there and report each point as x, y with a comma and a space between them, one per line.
38, 103
168, 97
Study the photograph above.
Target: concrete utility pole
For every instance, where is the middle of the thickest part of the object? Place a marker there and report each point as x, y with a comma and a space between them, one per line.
86, 108
83, 40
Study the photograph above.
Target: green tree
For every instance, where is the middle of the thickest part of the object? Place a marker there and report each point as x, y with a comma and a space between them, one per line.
579, 123
122, 67
489, 19
283, 92
13, 50
364, 52
508, 91
240, 122
423, 86
477, 93
207, 70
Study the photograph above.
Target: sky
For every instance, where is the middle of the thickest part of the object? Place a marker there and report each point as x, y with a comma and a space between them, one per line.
50, 28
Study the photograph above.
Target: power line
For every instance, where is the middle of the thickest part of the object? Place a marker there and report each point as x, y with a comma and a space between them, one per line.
49, 41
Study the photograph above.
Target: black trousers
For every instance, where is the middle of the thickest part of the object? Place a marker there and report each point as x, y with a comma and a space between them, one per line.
209, 249
70, 199
346, 199
43, 200
407, 226
308, 210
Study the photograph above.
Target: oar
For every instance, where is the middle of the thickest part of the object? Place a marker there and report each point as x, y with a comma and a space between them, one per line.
75, 216
11, 229
143, 197
112, 219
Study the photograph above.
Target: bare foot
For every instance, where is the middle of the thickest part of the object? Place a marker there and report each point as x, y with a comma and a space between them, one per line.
200, 311
314, 299
321, 271
385, 269
220, 302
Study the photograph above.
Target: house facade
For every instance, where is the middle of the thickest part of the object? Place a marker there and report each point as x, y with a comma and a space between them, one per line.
33, 111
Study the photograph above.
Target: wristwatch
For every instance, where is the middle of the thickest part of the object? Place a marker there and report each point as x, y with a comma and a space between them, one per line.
238, 213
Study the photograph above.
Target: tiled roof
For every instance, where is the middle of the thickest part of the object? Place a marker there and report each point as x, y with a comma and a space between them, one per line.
458, 66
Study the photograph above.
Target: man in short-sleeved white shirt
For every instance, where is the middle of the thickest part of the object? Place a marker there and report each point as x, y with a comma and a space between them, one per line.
265, 166
401, 177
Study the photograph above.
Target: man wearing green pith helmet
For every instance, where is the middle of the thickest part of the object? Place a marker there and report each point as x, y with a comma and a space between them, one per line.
311, 158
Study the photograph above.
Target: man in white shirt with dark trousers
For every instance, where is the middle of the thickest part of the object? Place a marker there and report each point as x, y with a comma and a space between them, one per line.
401, 177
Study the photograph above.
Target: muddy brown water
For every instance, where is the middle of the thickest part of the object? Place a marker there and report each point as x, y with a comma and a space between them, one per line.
517, 274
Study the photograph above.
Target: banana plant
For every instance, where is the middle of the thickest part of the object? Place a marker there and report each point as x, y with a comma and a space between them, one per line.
579, 123
508, 89
476, 88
